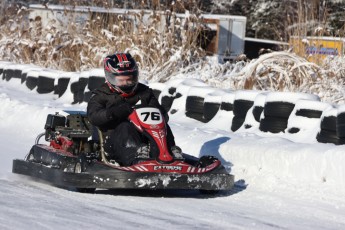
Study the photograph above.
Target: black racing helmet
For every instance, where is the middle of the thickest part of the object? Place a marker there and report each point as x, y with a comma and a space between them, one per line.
121, 64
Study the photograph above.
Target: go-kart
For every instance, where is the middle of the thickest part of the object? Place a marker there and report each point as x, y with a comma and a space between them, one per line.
73, 156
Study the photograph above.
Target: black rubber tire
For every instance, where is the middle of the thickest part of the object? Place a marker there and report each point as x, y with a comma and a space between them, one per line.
257, 111
309, 113
62, 86
326, 136
167, 102
273, 124
293, 130
196, 116
195, 104
278, 109
226, 106
31, 82
241, 107
7, 74
341, 130
23, 77
45, 85
17, 73
210, 110
171, 90
78, 88
94, 82
329, 123
341, 118
237, 122
1, 72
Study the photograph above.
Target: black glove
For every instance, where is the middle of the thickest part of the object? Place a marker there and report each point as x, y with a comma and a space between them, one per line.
119, 112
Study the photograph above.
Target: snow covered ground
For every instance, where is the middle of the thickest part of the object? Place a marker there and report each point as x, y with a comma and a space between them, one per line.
280, 183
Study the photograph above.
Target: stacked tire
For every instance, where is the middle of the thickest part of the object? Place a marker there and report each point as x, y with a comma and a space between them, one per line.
340, 124
212, 103
12, 71
26, 70
224, 101
328, 127
244, 100
157, 88
62, 84
168, 94
46, 81
195, 102
181, 93
3, 65
254, 113
32, 79
95, 80
167, 99
277, 110
306, 118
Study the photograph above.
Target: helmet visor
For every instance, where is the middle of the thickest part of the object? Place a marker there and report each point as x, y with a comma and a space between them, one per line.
121, 80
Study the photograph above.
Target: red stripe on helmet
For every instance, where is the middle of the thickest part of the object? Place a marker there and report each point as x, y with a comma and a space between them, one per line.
124, 57
119, 57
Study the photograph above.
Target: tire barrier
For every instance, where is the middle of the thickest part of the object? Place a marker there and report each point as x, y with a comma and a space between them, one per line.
45, 85
254, 113
241, 108
291, 113
212, 104
32, 79
181, 93
3, 65
95, 80
166, 102
227, 103
12, 71
46, 81
244, 100
210, 109
309, 113
328, 128
278, 108
273, 124
157, 88
340, 122
195, 108
62, 85
167, 97
195, 102
305, 118
26, 70
77, 89
257, 111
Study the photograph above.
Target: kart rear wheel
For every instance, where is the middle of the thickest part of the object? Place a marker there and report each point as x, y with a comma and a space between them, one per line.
78, 168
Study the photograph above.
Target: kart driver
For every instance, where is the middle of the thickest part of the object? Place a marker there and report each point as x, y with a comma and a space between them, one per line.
111, 104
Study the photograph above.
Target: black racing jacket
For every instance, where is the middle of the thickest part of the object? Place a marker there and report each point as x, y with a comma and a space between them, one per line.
103, 98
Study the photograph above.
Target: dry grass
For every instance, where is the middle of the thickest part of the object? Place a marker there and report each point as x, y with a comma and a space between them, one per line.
162, 55
83, 46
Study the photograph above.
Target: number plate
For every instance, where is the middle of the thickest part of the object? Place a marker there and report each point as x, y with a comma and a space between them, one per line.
150, 116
